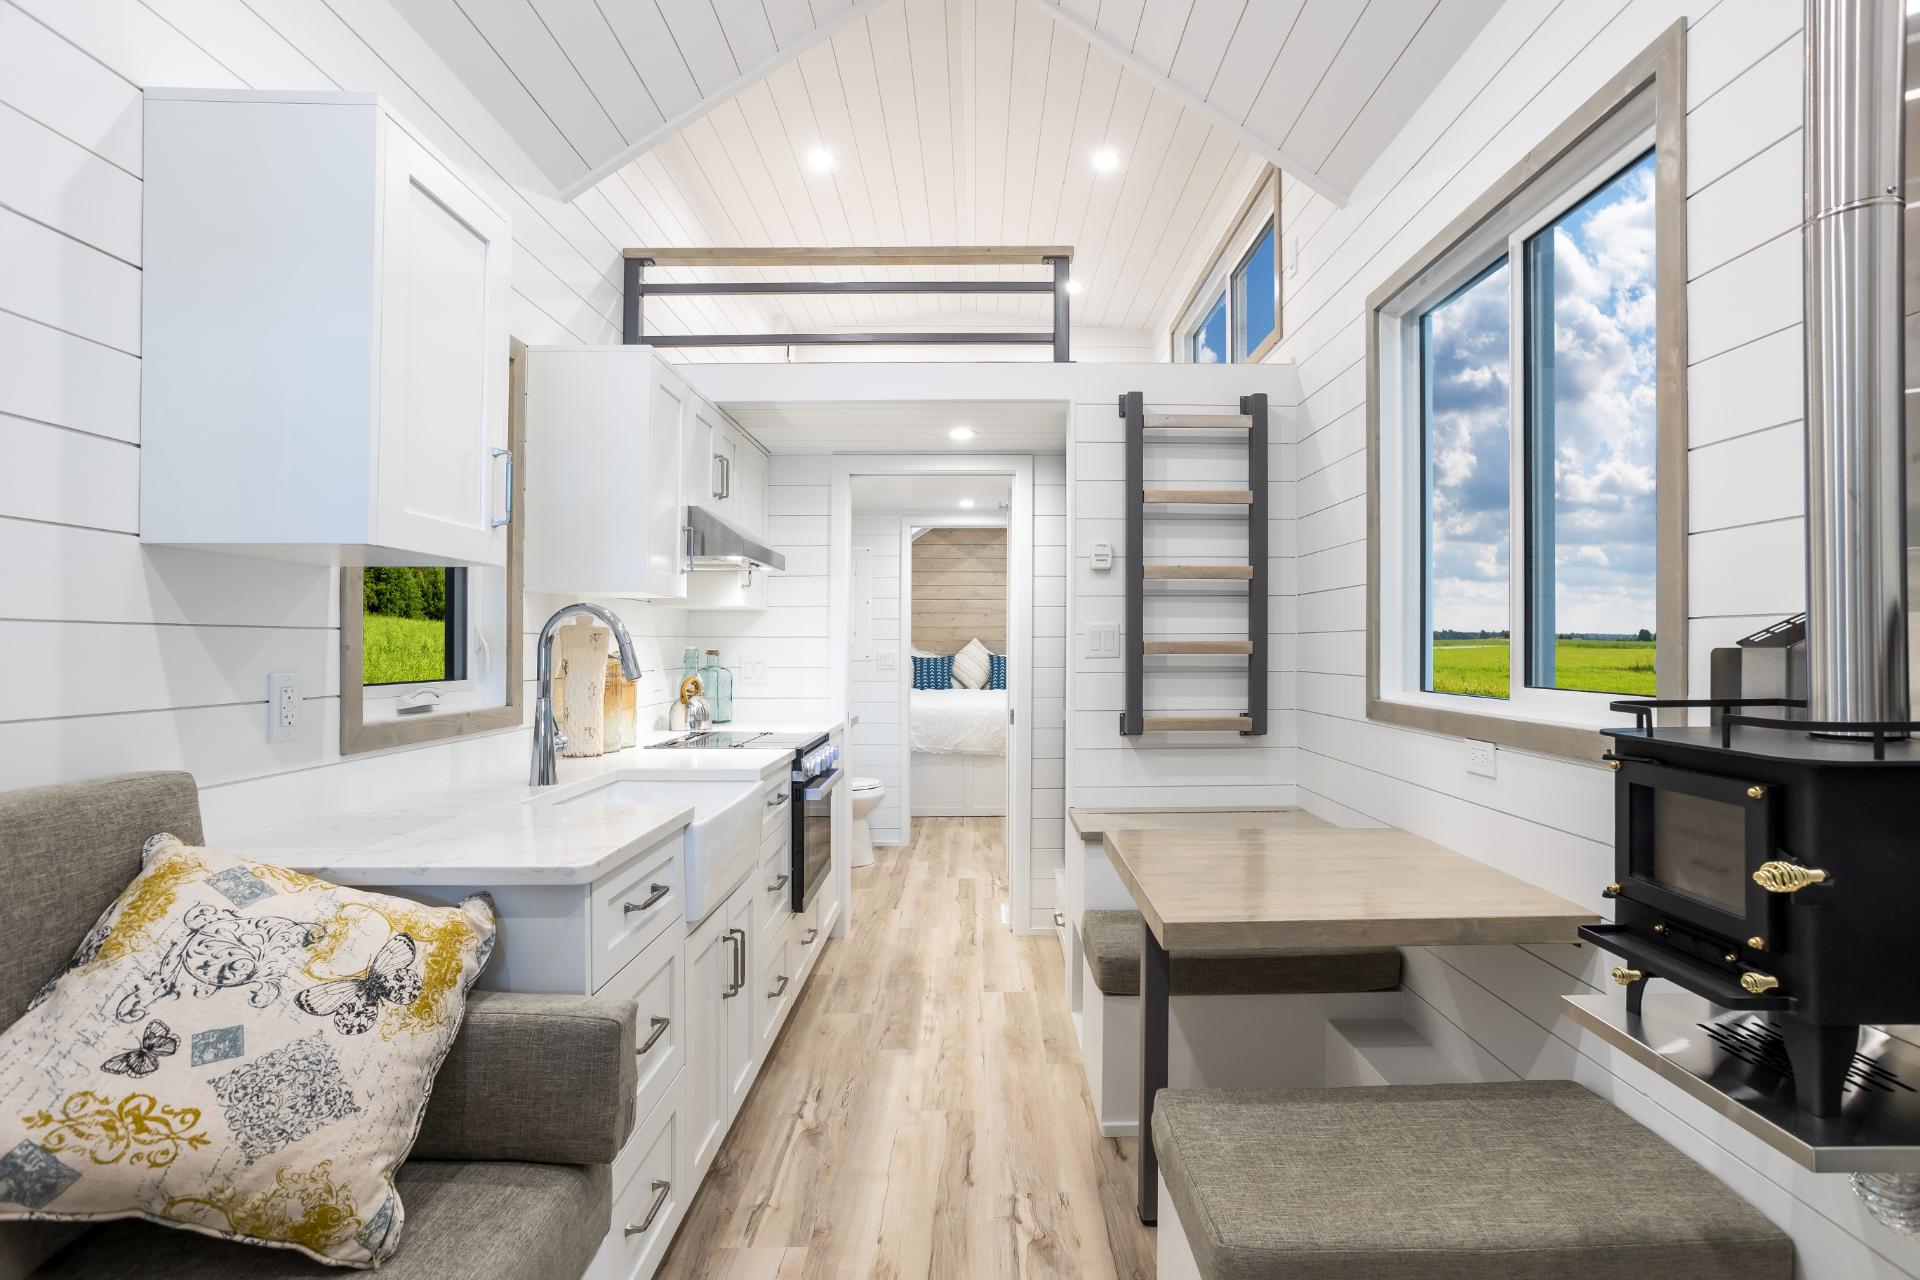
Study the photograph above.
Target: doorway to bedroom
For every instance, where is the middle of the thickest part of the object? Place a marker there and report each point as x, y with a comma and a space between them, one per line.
939, 623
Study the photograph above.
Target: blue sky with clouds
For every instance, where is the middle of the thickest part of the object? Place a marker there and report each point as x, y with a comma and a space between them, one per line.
1602, 425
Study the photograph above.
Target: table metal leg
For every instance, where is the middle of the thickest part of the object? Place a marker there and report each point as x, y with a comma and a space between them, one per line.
1154, 966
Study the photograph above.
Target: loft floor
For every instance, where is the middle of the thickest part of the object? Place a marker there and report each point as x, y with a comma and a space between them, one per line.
924, 1114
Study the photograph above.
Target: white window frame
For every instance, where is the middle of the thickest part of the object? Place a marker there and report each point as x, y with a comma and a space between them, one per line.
1261, 208
1639, 110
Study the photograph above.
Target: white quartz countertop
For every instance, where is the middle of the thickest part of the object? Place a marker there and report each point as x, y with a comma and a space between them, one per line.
506, 832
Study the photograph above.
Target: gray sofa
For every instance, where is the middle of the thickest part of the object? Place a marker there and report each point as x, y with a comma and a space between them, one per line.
512, 1174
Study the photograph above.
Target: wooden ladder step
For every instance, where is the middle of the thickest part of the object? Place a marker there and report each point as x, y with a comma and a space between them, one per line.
1197, 572
1224, 497
1198, 421
1199, 646
1198, 724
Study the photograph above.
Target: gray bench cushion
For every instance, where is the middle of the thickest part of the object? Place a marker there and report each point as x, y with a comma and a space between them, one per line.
1113, 942
1533, 1180
492, 1218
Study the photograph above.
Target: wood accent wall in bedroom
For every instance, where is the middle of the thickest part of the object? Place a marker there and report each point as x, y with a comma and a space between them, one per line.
960, 589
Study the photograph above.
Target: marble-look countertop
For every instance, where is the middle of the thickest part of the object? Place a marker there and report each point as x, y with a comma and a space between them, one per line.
506, 832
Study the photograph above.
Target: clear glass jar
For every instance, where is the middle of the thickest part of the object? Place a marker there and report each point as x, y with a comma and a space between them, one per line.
716, 683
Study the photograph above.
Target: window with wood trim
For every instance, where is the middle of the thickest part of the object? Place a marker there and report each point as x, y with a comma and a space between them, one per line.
1527, 534
1233, 314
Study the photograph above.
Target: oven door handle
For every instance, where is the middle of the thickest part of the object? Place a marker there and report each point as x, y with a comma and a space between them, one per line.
820, 787
1662, 962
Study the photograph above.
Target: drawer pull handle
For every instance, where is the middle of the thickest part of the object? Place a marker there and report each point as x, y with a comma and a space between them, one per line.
780, 990
660, 1026
811, 935
779, 882
1059, 920
660, 1190
778, 799
656, 892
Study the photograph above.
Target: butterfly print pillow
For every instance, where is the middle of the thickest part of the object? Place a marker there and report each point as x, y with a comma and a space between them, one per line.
239, 1050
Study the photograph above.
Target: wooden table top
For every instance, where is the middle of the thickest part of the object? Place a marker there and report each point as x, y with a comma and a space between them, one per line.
1091, 824
1222, 890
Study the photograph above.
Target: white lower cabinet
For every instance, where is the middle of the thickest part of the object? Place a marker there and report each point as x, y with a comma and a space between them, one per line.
773, 994
720, 1029
652, 1184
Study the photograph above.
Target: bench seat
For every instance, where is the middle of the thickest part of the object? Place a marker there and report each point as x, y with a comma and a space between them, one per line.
1529, 1180
1113, 944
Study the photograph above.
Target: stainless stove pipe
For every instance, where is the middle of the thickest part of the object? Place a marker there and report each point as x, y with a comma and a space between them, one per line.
1856, 434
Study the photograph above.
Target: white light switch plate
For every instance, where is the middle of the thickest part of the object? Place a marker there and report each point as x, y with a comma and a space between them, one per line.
283, 706
886, 660
1103, 640
1482, 758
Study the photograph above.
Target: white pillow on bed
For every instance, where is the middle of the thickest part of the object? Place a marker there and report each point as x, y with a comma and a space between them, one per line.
970, 666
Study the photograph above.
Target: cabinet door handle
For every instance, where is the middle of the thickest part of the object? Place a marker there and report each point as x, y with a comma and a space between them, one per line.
657, 892
726, 476
660, 1026
660, 1190
508, 517
780, 990
1059, 920
714, 476
811, 935
779, 883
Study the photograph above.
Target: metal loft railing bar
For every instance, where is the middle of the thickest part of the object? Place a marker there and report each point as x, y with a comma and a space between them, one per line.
1056, 257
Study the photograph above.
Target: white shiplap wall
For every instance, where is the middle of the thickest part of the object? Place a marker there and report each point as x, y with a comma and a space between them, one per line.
1048, 814
128, 658
1497, 1008
873, 686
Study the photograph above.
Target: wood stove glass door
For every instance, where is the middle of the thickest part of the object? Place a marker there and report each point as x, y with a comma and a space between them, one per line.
1690, 841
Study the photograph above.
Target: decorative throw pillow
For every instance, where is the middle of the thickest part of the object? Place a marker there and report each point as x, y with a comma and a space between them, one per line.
996, 671
239, 1050
933, 673
970, 669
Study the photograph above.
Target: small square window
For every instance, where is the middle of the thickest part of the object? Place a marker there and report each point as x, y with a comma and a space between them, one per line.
412, 628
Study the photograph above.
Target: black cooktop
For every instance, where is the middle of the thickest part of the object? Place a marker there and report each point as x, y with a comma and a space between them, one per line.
722, 739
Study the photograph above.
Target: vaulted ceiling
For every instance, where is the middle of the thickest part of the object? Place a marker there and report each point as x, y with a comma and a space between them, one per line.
925, 122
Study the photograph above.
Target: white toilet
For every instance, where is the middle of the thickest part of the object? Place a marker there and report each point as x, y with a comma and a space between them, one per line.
867, 795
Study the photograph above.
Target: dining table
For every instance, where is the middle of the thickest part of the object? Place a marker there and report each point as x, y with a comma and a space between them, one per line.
1207, 889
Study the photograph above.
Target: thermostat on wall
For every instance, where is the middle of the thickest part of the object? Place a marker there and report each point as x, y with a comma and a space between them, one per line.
1102, 555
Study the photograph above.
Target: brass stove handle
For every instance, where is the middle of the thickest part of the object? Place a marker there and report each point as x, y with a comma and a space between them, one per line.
1787, 877
1624, 976
1758, 984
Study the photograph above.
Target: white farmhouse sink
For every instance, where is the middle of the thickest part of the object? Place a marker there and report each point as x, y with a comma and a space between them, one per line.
723, 840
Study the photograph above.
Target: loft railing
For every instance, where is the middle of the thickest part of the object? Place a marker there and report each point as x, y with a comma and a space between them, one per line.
1058, 258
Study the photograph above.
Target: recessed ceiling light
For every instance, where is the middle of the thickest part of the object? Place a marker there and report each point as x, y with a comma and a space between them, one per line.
966, 504
819, 159
1106, 160
960, 433
1074, 286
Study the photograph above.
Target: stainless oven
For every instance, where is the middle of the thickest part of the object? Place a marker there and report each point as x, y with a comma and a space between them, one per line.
816, 775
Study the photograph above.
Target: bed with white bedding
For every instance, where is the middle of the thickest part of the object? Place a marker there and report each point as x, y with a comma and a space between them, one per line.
959, 742
964, 722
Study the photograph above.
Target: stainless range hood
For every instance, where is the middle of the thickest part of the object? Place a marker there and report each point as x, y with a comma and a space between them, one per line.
712, 543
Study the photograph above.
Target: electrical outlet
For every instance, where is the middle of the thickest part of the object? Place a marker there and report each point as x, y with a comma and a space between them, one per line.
283, 706
1481, 758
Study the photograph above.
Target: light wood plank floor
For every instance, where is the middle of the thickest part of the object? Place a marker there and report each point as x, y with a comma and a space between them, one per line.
923, 1113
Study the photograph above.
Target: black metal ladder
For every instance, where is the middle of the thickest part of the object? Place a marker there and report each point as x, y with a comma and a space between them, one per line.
1252, 419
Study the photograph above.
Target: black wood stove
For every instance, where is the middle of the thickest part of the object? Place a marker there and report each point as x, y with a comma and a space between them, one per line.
1771, 863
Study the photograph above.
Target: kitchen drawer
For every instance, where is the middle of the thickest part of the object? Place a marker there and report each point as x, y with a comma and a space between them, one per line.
651, 1189
777, 987
633, 906
657, 982
776, 808
775, 886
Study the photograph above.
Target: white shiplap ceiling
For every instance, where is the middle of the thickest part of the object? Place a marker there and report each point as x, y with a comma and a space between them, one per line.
1318, 86
585, 85
903, 426
959, 122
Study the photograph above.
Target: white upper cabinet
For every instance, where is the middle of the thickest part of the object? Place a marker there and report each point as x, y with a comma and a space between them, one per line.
603, 481
324, 314
723, 470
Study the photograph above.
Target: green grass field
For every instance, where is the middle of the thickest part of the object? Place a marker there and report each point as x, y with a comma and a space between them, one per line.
1479, 667
404, 649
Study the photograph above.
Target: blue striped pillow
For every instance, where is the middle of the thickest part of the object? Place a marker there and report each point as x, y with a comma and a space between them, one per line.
933, 673
996, 671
